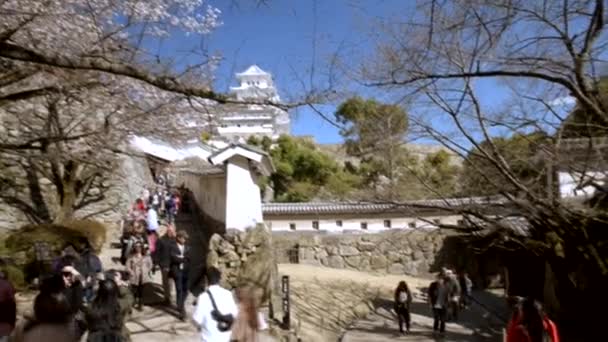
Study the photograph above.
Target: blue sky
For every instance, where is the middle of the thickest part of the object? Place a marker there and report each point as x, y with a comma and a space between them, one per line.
279, 38
284, 37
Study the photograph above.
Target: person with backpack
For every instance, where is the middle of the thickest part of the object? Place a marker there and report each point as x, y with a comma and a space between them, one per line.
438, 297
403, 300
454, 294
215, 310
529, 323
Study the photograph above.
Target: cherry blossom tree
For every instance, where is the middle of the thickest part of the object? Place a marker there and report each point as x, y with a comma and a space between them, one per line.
76, 80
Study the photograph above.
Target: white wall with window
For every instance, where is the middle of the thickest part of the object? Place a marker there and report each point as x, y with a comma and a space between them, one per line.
370, 223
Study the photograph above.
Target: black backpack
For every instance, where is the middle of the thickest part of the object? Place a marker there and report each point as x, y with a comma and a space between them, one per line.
224, 322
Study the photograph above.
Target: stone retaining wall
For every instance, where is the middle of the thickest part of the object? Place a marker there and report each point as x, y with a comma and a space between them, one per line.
413, 252
126, 184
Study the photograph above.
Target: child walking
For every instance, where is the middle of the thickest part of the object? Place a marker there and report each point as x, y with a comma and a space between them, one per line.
139, 266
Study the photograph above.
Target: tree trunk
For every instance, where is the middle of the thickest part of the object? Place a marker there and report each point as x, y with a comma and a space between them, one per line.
67, 201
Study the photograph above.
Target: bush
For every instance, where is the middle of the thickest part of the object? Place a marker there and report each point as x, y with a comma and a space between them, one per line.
19, 244
94, 231
15, 275
57, 237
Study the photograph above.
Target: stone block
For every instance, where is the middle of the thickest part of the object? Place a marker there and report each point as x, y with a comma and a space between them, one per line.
412, 267
427, 246
321, 254
396, 269
313, 262
378, 262
366, 246
417, 255
365, 264
353, 261
361, 310
349, 240
383, 247
345, 250
324, 261
394, 256
230, 256
306, 253
332, 250
335, 261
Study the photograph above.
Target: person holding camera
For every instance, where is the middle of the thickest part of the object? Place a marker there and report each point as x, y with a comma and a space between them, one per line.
215, 310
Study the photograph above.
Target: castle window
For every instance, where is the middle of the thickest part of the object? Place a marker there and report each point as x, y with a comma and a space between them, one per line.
387, 223
315, 225
339, 223
412, 224
292, 226
363, 225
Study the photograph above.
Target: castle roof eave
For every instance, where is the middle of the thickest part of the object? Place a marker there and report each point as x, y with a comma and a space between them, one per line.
253, 70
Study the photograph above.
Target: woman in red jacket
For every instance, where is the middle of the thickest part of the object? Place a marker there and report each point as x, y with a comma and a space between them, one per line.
531, 324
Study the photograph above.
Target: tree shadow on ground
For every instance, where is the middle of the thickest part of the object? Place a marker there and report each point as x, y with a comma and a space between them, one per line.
154, 296
422, 335
328, 308
484, 326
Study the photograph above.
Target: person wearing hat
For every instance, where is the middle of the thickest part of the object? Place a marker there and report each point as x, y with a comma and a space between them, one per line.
139, 266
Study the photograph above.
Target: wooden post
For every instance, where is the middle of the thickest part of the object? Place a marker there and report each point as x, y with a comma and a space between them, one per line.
286, 304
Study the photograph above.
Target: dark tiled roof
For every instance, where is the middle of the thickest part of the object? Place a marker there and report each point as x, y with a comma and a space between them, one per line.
372, 207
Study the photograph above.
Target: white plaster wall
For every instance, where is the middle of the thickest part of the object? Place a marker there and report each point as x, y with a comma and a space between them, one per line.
209, 192
374, 223
244, 203
568, 183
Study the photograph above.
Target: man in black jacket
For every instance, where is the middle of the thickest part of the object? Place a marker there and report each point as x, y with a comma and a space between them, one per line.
180, 267
162, 259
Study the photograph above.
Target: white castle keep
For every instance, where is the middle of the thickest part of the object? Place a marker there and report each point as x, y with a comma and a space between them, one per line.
240, 122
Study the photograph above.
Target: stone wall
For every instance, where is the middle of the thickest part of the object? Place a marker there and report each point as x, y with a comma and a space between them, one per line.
125, 185
413, 252
247, 259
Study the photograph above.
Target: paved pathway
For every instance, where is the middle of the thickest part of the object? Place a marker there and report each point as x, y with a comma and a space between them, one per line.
474, 324
156, 323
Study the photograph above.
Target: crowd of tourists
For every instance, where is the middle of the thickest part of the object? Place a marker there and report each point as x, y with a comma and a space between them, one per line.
450, 293
80, 301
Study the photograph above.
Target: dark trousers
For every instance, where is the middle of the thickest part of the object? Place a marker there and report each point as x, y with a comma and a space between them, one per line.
454, 308
166, 285
181, 289
138, 293
403, 314
439, 319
